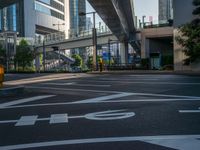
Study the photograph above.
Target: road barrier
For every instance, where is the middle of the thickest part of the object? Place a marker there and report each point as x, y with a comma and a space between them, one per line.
1, 76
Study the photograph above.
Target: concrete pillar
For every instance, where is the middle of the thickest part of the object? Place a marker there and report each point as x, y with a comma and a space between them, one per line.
37, 63
145, 50
124, 52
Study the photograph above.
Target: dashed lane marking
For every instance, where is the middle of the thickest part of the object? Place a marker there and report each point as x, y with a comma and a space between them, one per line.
26, 121
183, 142
190, 111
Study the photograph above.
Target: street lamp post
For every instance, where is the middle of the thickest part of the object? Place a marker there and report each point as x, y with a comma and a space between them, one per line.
94, 39
143, 21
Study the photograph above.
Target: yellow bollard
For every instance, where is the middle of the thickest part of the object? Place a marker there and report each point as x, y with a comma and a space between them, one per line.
1, 76
101, 64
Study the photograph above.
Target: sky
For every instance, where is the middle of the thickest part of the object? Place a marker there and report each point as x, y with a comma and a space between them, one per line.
146, 8
142, 7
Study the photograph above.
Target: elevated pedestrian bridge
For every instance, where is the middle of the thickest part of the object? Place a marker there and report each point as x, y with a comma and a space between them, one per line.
118, 15
83, 40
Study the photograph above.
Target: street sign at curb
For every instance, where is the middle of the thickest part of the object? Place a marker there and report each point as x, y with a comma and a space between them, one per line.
64, 118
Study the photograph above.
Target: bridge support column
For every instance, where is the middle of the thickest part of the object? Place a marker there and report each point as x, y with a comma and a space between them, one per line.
37, 63
124, 53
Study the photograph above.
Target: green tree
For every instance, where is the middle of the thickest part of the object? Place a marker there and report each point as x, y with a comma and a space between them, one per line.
24, 55
78, 61
190, 36
2, 55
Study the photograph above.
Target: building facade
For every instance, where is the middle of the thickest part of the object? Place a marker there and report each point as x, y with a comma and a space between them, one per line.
165, 10
77, 22
32, 18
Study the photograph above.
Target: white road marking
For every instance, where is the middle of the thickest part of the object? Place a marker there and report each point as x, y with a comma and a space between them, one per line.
107, 101
59, 118
186, 142
98, 99
179, 144
71, 89
142, 81
189, 111
26, 121
167, 83
63, 118
113, 92
76, 84
24, 100
59, 83
110, 115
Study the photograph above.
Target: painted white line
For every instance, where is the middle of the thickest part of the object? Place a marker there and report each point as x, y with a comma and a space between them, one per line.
59, 83
92, 85
186, 140
107, 101
164, 95
179, 144
113, 92
150, 82
25, 100
8, 121
167, 83
98, 99
149, 100
70, 89
76, 84
63, 118
189, 111
58, 118
110, 115
26, 121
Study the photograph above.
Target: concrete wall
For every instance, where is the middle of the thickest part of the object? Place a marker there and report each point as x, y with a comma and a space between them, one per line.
147, 34
48, 21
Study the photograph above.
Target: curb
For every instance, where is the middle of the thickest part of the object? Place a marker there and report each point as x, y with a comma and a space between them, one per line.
12, 91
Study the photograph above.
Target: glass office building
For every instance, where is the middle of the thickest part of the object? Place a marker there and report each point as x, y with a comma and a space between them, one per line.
51, 7
40, 17
9, 18
77, 22
165, 11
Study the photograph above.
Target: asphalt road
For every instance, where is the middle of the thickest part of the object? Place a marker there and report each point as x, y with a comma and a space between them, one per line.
102, 112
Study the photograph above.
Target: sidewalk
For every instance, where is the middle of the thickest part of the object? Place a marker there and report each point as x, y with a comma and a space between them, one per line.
24, 79
15, 84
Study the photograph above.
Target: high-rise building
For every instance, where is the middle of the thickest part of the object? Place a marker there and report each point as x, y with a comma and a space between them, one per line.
77, 22
39, 17
165, 11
